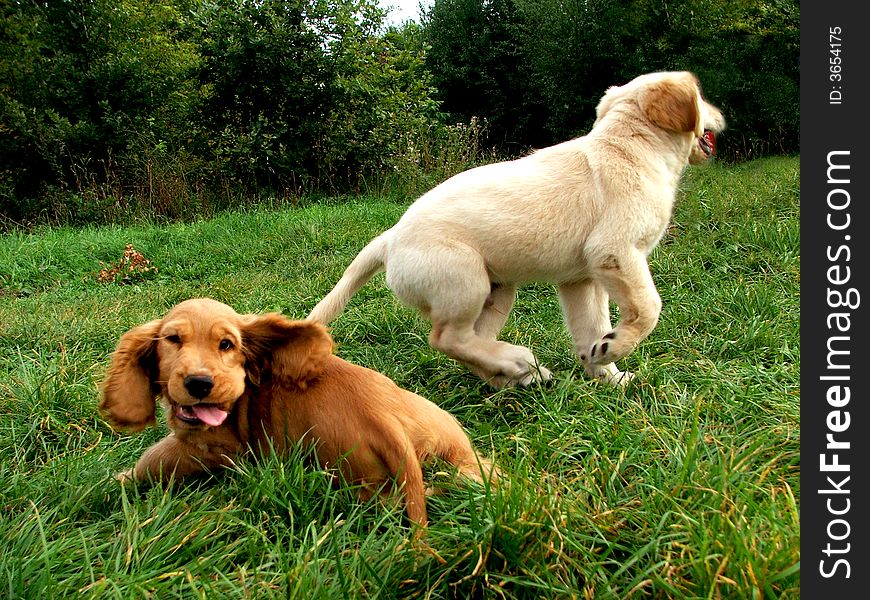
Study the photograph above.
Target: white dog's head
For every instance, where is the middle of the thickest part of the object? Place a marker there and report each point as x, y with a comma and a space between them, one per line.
672, 101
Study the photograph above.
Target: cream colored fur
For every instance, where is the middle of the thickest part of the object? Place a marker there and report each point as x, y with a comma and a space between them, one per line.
583, 214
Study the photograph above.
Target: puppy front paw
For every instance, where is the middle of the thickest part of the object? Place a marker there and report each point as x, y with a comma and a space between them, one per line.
618, 378
601, 351
609, 374
611, 347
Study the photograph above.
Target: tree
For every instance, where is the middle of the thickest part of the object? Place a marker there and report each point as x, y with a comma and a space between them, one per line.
383, 94
478, 60
536, 69
85, 82
170, 103
266, 85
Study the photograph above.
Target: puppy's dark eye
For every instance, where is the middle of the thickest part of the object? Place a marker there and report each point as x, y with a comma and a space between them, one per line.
225, 345
173, 339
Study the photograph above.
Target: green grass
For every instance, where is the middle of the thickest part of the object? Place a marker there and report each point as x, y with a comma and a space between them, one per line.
683, 485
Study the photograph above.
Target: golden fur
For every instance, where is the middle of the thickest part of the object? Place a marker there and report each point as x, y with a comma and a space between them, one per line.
583, 214
235, 383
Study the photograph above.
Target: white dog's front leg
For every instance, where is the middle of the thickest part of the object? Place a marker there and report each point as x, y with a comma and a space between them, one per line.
626, 278
586, 308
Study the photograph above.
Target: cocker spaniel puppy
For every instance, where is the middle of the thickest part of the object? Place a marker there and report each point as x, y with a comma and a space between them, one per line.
234, 383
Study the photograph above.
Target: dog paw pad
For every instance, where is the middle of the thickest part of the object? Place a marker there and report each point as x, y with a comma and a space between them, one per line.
599, 350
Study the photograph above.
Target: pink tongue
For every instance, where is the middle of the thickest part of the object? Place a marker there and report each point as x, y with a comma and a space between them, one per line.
711, 141
210, 415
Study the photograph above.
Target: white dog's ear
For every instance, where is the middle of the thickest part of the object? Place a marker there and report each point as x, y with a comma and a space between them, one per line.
129, 390
674, 104
289, 352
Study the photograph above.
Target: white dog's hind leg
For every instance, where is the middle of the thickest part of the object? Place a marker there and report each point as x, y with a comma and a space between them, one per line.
452, 292
586, 308
496, 309
499, 363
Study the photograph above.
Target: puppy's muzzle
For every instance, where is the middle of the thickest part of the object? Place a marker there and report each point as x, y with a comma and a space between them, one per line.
198, 386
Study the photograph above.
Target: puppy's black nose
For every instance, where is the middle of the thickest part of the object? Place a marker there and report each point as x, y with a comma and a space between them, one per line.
198, 386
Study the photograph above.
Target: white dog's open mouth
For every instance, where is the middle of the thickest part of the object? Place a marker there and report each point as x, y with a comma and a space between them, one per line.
201, 414
707, 142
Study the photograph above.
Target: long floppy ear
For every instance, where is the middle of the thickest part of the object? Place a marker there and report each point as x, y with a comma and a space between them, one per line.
674, 105
291, 352
129, 389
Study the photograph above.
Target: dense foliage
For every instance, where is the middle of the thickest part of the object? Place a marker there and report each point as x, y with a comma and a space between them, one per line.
535, 69
173, 104
178, 107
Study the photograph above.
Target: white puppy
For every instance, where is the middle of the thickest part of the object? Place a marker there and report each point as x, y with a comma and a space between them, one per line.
583, 214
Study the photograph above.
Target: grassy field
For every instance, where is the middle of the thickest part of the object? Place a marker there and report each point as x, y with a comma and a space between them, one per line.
683, 485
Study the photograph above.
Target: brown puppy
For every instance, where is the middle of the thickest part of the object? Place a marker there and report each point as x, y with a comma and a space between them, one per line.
234, 383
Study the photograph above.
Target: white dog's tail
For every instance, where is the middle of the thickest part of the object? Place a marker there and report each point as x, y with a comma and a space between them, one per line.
367, 263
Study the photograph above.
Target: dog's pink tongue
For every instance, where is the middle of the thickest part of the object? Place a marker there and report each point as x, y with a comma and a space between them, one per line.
710, 137
210, 415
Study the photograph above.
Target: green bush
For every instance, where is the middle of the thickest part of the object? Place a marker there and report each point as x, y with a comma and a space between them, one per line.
125, 108
173, 110
91, 89
536, 69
